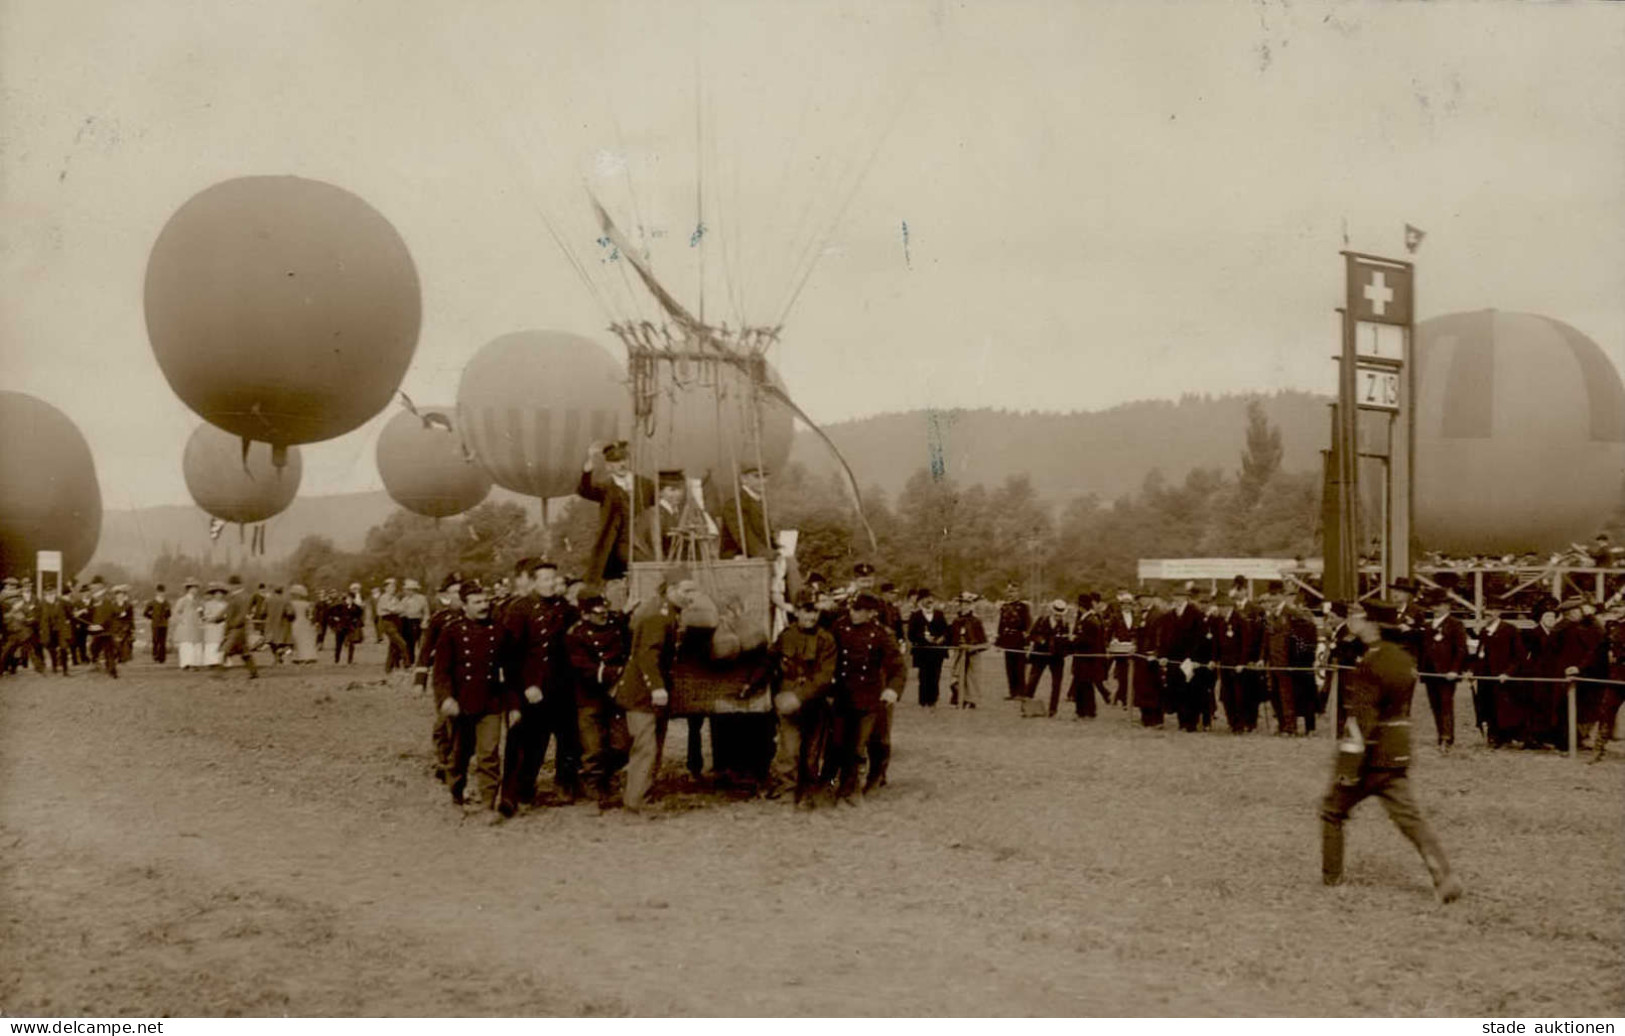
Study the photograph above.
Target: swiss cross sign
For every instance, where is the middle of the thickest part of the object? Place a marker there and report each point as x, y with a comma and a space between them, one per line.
1379, 292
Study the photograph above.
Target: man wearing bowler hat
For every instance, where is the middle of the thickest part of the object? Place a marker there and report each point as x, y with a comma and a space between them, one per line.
1442, 657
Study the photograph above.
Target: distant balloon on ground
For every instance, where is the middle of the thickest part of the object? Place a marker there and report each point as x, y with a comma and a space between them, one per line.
1520, 437
49, 496
530, 403
422, 461
281, 309
222, 486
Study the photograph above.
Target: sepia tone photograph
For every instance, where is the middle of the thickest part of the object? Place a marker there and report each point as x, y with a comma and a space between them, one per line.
768, 509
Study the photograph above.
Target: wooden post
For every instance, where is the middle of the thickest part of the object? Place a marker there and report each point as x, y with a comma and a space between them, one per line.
1478, 594
1336, 698
1574, 723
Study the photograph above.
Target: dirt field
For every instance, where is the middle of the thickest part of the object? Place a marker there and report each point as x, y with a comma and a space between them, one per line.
200, 845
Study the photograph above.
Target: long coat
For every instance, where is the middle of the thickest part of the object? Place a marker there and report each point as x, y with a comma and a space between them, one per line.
186, 622
1088, 638
609, 550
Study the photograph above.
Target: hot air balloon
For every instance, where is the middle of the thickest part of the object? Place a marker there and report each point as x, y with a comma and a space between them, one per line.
704, 421
530, 403
1520, 434
425, 466
282, 310
231, 490
49, 497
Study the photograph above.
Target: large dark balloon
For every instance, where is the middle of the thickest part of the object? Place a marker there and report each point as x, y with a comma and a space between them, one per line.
282, 310
1520, 434
49, 497
530, 403
422, 461
221, 485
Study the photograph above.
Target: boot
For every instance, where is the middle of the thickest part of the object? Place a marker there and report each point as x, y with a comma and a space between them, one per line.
1445, 883
1331, 853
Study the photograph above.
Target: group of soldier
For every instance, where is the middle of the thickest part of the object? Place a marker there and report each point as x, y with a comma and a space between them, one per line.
514, 674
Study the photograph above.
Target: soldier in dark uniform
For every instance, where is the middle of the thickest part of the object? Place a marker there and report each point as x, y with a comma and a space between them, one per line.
643, 688
447, 609
468, 681
1205, 681
1046, 652
1015, 619
104, 617
869, 676
1087, 645
1374, 752
157, 613
596, 648
804, 659
535, 665
1232, 651
928, 646
1443, 641
1498, 655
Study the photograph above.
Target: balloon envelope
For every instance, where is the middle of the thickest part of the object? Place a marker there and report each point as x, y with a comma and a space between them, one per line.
1520, 434
424, 467
706, 423
281, 309
219, 483
530, 403
49, 497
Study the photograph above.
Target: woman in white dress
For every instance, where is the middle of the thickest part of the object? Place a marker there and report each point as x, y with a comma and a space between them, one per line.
214, 624
186, 626
303, 630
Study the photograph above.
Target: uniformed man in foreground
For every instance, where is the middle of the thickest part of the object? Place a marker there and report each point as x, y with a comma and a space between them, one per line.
869, 676
1374, 751
469, 684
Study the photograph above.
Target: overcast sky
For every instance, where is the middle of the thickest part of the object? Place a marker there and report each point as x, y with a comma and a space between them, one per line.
1104, 201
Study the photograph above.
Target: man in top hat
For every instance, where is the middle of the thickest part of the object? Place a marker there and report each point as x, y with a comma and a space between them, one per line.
1015, 619
1183, 643
1403, 592
1239, 653
1374, 751
1047, 652
1498, 655
1086, 642
1290, 639
1442, 640
753, 539
608, 481
928, 646
659, 524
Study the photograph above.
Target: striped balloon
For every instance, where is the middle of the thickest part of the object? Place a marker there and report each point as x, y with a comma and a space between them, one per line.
1520, 434
530, 403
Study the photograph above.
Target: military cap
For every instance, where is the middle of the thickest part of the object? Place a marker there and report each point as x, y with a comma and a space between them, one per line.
805, 600
1087, 600
1404, 584
670, 477
866, 602
1572, 602
593, 603
469, 589
615, 451
863, 568
1383, 613
450, 581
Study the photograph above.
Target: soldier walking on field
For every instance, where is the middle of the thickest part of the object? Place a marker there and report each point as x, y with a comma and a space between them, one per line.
1374, 751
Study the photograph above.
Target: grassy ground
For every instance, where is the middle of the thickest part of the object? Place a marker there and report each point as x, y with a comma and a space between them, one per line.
197, 844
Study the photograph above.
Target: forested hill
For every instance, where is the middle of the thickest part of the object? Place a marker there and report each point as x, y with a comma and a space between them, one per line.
1106, 452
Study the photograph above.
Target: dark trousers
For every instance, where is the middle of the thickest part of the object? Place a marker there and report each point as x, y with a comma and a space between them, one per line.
1084, 690
1202, 691
803, 740
855, 733
236, 646
1124, 672
551, 720
1394, 789
879, 747
1442, 700
596, 719
160, 644
60, 651
104, 649
442, 737
411, 629
1054, 665
1015, 673
1181, 696
929, 664
398, 656
1231, 692
1306, 698
696, 746
81, 646
476, 739
1284, 698
344, 640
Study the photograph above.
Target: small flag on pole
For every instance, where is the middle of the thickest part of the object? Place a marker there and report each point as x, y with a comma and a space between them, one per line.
1413, 238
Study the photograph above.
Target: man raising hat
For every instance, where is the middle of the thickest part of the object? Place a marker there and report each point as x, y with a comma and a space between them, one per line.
608, 481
